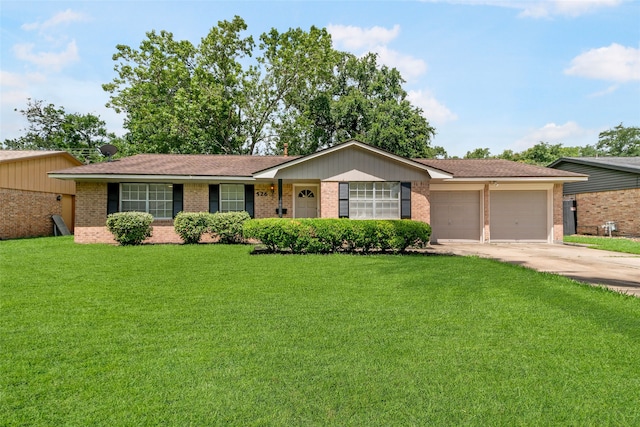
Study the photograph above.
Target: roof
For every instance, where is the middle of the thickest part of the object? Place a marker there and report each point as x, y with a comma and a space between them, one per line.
494, 168
206, 166
186, 165
7, 156
626, 164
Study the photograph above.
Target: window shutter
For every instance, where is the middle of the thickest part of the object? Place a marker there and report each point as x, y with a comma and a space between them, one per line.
214, 198
343, 200
178, 194
405, 200
248, 200
113, 197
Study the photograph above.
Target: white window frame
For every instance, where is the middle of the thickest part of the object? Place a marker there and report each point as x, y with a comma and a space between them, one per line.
373, 194
235, 201
147, 190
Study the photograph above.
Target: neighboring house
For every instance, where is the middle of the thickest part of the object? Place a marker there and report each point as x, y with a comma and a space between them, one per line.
28, 197
465, 200
612, 193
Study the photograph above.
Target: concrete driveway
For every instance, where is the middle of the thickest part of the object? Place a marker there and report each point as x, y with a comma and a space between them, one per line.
617, 271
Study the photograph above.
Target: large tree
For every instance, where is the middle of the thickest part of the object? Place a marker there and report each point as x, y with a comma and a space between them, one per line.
298, 90
620, 141
52, 128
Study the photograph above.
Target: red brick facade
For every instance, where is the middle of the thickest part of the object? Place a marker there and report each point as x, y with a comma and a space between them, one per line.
27, 213
558, 223
620, 206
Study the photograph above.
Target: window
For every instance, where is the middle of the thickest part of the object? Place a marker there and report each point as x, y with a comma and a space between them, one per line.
231, 197
156, 199
374, 200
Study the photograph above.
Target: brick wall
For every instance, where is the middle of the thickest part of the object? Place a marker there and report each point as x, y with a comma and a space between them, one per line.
621, 206
266, 203
485, 214
558, 223
195, 198
27, 213
420, 203
329, 202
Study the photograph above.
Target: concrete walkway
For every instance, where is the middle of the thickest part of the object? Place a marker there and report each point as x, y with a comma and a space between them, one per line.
617, 271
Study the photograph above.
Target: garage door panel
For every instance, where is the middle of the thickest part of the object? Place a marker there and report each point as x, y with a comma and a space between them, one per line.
455, 215
518, 215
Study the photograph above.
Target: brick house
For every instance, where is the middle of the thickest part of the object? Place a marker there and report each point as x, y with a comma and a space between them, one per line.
28, 197
612, 193
463, 200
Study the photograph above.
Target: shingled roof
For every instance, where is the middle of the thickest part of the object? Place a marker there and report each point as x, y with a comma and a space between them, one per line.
17, 155
246, 166
493, 168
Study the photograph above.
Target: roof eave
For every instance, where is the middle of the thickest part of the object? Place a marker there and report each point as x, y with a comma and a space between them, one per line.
142, 177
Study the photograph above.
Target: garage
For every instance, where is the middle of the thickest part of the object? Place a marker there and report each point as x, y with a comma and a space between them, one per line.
456, 215
518, 215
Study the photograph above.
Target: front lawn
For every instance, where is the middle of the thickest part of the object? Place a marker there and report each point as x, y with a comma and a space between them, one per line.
212, 335
616, 244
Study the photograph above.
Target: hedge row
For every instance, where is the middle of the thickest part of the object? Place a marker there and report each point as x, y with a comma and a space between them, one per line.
226, 227
337, 235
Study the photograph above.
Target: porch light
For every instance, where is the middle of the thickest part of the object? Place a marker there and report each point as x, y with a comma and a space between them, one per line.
272, 188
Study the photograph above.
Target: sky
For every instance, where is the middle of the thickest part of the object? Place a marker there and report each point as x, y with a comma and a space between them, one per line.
493, 74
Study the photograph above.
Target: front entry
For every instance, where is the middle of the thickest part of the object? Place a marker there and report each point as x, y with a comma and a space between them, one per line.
306, 201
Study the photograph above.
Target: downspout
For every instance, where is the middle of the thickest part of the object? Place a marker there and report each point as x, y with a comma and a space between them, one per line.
280, 198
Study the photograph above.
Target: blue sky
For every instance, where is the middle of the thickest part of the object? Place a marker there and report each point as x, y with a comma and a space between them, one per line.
491, 74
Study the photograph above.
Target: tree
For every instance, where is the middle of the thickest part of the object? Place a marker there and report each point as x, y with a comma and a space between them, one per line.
620, 141
478, 153
185, 98
181, 98
52, 128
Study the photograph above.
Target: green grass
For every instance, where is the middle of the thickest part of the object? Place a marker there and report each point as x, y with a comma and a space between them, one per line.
616, 244
212, 335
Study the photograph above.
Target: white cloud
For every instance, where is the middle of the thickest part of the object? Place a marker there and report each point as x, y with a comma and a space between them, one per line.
613, 63
58, 19
356, 38
375, 39
47, 60
541, 8
568, 134
434, 111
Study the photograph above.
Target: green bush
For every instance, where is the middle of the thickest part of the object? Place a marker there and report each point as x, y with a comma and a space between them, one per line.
190, 226
334, 235
228, 226
130, 228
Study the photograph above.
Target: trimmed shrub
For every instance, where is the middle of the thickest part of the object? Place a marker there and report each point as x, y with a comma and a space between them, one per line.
130, 228
333, 235
190, 226
228, 226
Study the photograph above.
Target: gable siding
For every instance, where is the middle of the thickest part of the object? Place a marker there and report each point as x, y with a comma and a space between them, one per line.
31, 175
330, 166
600, 179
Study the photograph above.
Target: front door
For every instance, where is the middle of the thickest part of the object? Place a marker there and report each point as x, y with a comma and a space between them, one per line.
306, 201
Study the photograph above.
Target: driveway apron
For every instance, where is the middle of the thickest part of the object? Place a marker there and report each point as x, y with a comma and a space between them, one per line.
615, 270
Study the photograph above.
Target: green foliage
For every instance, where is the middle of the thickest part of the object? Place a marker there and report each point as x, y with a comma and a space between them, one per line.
209, 99
228, 226
52, 128
190, 226
620, 141
615, 244
333, 235
130, 228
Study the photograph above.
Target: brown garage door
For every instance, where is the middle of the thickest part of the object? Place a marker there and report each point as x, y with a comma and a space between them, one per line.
455, 215
518, 215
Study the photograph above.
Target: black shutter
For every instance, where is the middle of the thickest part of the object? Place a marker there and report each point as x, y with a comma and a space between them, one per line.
113, 197
248, 200
343, 200
178, 191
214, 198
405, 200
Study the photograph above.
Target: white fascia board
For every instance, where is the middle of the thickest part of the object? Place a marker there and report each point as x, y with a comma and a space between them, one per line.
518, 179
141, 178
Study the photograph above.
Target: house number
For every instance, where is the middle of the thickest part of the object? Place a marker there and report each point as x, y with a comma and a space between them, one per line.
261, 193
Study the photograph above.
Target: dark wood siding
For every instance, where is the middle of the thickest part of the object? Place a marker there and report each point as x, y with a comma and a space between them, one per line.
600, 179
